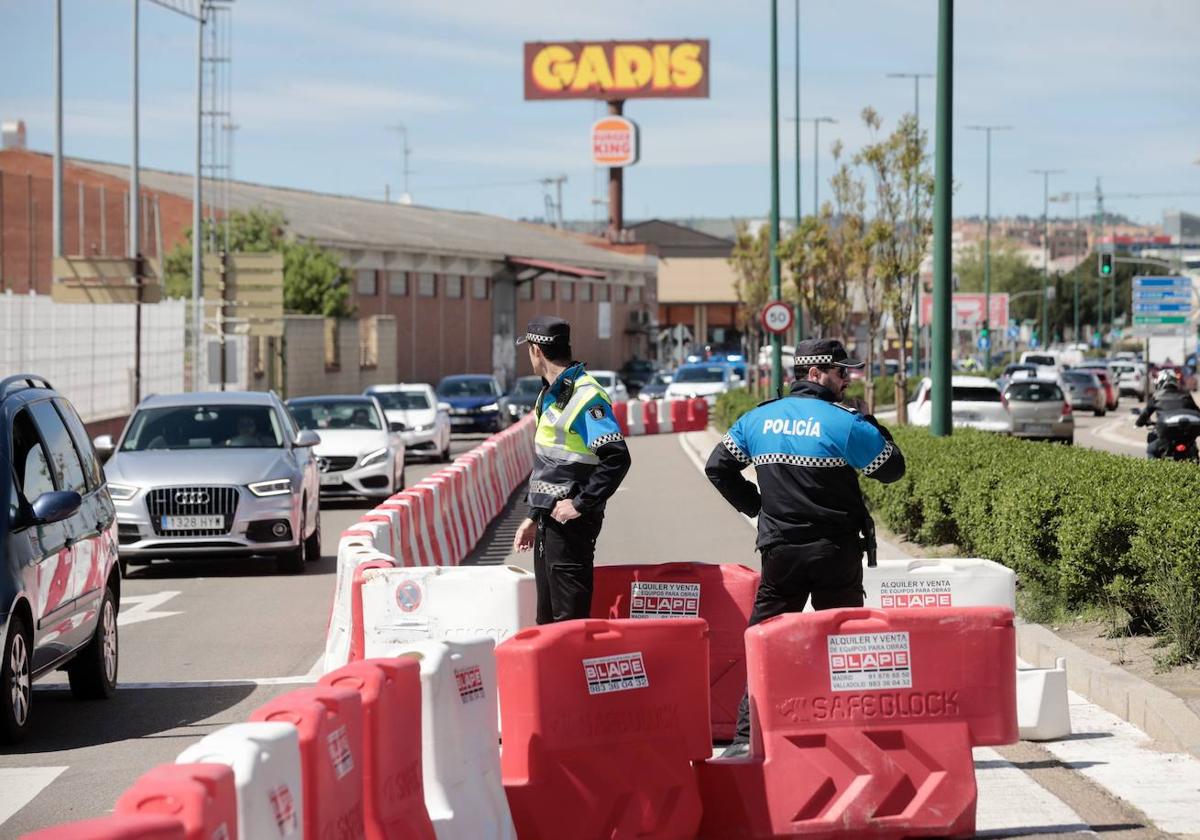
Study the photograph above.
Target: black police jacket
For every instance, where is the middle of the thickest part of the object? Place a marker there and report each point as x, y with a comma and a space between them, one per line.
807, 451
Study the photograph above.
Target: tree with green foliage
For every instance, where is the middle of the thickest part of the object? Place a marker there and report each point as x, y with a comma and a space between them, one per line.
751, 264
314, 282
1011, 273
898, 235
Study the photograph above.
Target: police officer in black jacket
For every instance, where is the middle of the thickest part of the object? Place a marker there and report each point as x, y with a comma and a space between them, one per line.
806, 449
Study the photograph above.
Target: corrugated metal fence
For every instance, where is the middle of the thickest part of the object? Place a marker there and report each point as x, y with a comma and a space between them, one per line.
87, 350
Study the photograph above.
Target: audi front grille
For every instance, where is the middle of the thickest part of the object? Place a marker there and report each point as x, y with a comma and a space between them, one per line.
192, 501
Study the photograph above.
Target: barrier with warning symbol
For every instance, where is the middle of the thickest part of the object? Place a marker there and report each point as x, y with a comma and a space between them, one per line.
721, 594
862, 723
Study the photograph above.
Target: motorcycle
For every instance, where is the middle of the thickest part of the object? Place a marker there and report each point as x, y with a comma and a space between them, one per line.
1177, 433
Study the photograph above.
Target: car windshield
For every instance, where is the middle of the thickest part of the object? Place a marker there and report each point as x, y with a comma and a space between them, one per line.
401, 400
660, 379
974, 393
713, 373
1044, 361
1034, 392
605, 379
528, 386
1011, 369
318, 415
203, 427
467, 388
1077, 378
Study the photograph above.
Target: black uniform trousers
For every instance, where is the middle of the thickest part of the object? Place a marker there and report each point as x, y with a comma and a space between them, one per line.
562, 566
828, 570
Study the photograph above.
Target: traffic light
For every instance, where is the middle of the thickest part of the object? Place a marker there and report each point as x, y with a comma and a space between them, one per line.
1106, 265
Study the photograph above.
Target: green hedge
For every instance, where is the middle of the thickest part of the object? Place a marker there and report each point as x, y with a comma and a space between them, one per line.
885, 389
1081, 528
731, 405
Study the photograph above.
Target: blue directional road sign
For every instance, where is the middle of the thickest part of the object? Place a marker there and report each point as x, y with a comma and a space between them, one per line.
1014, 331
984, 342
1162, 305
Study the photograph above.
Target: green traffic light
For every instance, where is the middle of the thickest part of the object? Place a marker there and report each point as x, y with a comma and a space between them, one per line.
1106, 269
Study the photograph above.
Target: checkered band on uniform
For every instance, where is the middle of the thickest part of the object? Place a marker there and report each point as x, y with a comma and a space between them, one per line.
735, 450
603, 439
879, 459
539, 339
805, 361
555, 491
797, 460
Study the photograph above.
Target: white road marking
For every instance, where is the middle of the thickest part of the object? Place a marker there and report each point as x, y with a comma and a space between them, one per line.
1011, 802
318, 669
1108, 431
303, 679
20, 785
1118, 756
138, 608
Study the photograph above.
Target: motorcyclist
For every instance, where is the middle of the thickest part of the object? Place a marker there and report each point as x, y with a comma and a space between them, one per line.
1167, 399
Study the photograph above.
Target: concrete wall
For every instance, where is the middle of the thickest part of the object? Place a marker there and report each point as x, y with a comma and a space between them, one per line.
305, 368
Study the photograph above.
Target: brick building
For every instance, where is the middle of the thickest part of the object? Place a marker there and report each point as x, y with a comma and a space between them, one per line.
460, 286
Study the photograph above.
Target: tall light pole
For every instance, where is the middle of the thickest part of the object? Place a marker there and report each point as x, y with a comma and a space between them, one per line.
987, 228
776, 347
1046, 173
56, 226
799, 303
943, 173
405, 196
916, 78
816, 122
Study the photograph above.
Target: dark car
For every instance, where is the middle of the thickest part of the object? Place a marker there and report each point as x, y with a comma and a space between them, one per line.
475, 402
635, 373
656, 388
60, 580
519, 401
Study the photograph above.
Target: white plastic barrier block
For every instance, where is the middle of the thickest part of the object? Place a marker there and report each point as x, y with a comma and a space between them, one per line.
337, 636
460, 747
1043, 712
635, 418
940, 582
444, 603
265, 758
665, 426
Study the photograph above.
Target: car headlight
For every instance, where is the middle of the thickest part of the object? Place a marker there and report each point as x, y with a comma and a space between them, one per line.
376, 457
490, 407
121, 492
426, 428
274, 487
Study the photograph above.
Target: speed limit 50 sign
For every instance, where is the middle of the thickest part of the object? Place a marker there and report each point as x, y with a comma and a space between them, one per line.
777, 317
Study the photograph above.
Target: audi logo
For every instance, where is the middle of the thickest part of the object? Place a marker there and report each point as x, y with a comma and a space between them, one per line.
191, 497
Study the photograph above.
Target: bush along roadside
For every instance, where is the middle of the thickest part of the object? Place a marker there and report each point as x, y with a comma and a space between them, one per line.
1082, 528
731, 405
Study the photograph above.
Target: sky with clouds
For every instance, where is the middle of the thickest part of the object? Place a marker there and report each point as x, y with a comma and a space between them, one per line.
1099, 88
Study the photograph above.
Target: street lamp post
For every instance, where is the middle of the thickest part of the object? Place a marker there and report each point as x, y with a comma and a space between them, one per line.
1046, 173
800, 302
816, 121
987, 228
940, 416
776, 348
916, 77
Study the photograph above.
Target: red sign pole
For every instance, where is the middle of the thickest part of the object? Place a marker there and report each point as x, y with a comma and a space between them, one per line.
616, 185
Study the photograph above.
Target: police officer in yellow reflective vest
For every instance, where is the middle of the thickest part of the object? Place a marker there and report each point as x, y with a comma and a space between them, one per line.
580, 460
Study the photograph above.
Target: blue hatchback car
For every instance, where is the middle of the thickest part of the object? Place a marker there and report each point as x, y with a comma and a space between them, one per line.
476, 402
60, 579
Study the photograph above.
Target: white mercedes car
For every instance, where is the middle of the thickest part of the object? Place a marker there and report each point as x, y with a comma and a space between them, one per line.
360, 453
975, 402
426, 421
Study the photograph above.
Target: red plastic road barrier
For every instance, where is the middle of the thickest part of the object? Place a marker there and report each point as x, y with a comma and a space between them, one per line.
201, 797
680, 419
721, 594
357, 627
621, 414
329, 721
863, 722
393, 784
434, 537
411, 550
132, 827
697, 414
650, 417
602, 721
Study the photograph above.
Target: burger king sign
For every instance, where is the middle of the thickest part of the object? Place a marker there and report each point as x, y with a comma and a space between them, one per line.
614, 142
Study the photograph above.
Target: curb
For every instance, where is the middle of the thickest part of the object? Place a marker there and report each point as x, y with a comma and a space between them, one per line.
1166, 718
1163, 716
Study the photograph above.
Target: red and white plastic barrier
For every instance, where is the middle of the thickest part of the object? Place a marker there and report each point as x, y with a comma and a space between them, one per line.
202, 797
661, 417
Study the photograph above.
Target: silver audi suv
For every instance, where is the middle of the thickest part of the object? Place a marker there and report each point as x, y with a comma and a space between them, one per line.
214, 475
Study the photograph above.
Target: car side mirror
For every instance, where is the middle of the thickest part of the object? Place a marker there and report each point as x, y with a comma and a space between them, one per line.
104, 446
397, 426
444, 406
306, 438
55, 506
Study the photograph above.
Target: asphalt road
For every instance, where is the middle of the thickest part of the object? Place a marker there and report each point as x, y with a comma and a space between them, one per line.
202, 645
